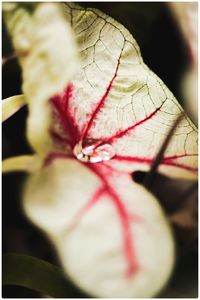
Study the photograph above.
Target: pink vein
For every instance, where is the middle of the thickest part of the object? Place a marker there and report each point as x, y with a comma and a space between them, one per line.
61, 104
129, 250
181, 166
123, 132
56, 155
57, 137
166, 161
122, 212
180, 156
99, 105
95, 198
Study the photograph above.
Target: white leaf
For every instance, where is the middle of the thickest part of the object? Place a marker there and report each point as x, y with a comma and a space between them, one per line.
117, 99
110, 233
41, 30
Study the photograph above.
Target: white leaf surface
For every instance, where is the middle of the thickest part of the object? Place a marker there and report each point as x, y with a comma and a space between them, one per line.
110, 233
41, 30
116, 98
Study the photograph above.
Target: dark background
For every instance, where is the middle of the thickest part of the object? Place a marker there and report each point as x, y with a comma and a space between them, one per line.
165, 53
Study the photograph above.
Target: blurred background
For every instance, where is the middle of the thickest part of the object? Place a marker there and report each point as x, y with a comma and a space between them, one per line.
167, 36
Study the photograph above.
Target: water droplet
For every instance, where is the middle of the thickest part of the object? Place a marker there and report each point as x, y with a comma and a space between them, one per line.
91, 150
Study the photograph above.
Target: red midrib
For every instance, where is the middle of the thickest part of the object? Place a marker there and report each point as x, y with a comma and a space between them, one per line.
125, 217
100, 105
56, 155
61, 103
95, 198
169, 161
129, 250
124, 132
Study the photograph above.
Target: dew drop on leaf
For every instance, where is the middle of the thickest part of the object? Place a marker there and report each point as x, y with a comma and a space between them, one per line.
93, 151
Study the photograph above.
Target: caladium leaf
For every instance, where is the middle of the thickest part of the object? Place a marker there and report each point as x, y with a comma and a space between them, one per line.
40, 29
11, 105
112, 237
110, 233
117, 99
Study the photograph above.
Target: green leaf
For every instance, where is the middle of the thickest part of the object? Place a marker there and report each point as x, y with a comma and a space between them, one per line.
34, 273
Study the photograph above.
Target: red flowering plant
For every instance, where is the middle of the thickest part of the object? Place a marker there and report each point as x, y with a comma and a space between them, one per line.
97, 115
